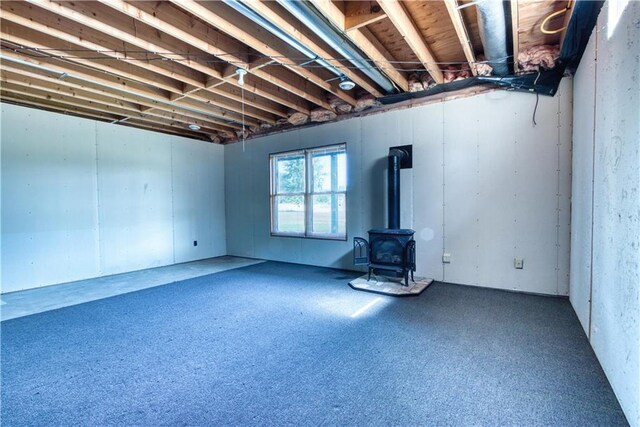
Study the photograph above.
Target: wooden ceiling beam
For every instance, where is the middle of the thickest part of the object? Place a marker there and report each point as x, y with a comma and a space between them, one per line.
212, 108
96, 81
34, 18
208, 97
22, 100
100, 23
269, 11
222, 49
565, 22
214, 113
256, 41
83, 72
38, 103
131, 10
64, 87
412, 36
359, 14
515, 31
364, 41
461, 32
9, 77
93, 105
35, 43
235, 93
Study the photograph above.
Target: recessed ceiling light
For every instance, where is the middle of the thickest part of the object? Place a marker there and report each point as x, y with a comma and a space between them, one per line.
346, 83
194, 127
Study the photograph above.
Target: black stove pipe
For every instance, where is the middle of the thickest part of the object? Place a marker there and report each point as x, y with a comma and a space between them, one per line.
393, 184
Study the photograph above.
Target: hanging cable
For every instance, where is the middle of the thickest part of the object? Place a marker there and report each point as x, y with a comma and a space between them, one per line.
535, 109
243, 133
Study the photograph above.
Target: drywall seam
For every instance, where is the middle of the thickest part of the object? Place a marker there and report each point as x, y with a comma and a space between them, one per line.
558, 195
444, 236
593, 171
99, 234
173, 206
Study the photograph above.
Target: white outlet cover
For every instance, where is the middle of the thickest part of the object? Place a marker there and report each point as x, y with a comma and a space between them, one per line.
446, 258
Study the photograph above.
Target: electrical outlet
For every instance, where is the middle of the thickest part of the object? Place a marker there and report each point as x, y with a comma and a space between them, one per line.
195, 243
446, 258
518, 263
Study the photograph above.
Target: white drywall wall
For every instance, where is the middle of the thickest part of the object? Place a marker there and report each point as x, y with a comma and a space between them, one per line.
483, 176
83, 199
607, 151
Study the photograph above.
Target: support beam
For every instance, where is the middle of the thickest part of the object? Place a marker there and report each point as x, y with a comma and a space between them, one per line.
565, 22
33, 42
105, 83
515, 31
58, 96
363, 40
24, 100
268, 10
83, 42
405, 25
224, 49
461, 32
359, 14
69, 88
111, 30
257, 41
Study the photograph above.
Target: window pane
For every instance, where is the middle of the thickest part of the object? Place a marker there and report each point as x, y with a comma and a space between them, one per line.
321, 172
290, 174
289, 214
342, 171
329, 214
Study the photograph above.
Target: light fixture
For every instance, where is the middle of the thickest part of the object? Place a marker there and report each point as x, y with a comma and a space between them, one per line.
241, 73
194, 126
346, 83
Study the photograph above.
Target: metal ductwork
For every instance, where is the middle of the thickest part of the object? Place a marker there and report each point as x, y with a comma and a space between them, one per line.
393, 186
492, 23
310, 17
267, 25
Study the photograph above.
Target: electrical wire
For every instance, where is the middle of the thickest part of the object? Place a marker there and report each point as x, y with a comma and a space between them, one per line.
535, 109
187, 56
243, 132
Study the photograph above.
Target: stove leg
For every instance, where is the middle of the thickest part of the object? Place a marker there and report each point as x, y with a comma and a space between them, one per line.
406, 278
412, 277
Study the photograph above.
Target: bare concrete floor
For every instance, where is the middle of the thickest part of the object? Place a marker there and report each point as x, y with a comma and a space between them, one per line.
24, 303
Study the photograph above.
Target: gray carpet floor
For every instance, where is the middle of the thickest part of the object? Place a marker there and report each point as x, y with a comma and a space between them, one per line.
283, 344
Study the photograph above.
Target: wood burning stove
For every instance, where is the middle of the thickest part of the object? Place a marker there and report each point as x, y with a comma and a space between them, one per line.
390, 251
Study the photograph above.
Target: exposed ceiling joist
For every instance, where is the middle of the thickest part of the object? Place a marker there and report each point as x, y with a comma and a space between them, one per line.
165, 65
266, 44
269, 10
461, 32
359, 14
363, 40
235, 57
403, 23
515, 31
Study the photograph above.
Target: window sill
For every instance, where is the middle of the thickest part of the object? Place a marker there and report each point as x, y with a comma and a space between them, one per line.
302, 236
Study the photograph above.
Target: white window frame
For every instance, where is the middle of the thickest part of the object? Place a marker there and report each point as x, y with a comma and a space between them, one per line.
307, 194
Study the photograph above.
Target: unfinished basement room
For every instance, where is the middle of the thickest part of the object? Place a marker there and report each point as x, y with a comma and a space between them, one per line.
320, 213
